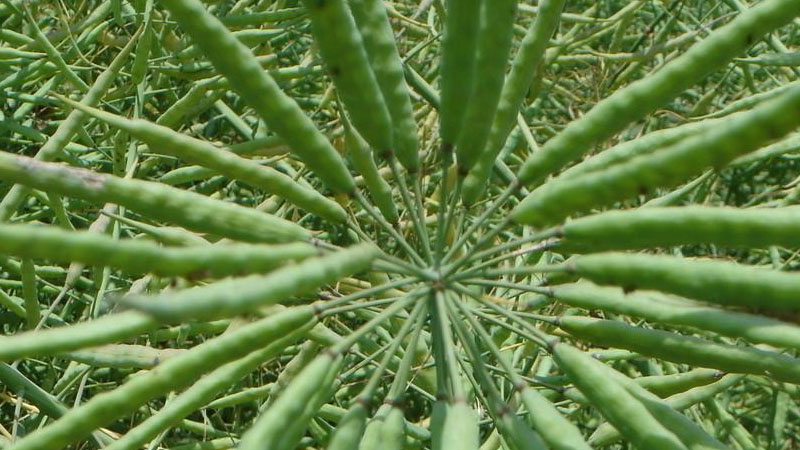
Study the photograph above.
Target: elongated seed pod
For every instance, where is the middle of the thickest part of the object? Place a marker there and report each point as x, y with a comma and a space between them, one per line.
664, 309
667, 227
491, 57
270, 426
459, 428
718, 282
199, 393
122, 356
523, 70
281, 114
371, 437
163, 140
172, 374
343, 51
393, 430
643, 96
137, 256
684, 349
558, 432
104, 330
606, 434
364, 162
614, 401
193, 211
517, 434
715, 148
663, 385
231, 297
457, 67
350, 429
373, 24
69, 127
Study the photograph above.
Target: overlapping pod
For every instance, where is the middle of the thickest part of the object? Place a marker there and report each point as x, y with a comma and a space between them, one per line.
271, 427
371, 437
613, 400
188, 209
459, 428
685, 349
556, 430
491, 57
342, 49
137, 256
164, 140
350, 429
69, 127
714, 147
235, 296
281, 114
668, 310
393, 430
666, 227
643, 96
172, 374
720, 282
373, 24
363, 160
523, 70
663, 385
457, 67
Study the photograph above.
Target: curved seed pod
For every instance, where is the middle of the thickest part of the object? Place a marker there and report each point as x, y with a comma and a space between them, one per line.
269, 429
282, 115
718, 282
393, 430
231, 297
373, 24
172, 374
371, 438
663, 385
457, 67
558, 432
643, 96
715, 147
517, 434
104, 330
350, 429
684, 349
523, 70
606, 434
664, 309
122, 356
459, 428
164, 140
364, 162
613, 400
188, 209
342, 49
667, 227
492, 49
69, 127
137, 256
308, 351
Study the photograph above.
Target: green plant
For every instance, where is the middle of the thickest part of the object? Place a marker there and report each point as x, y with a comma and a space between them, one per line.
329, 224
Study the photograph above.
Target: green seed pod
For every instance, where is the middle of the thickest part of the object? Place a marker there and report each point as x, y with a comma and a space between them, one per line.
558, 432
643, 96
342, 49
459, 428
523, 71
393, 430
184, 208
668, 227
684, 349
166, 141
373, 24
245, 75
670, 166
350, 429
172, 374
718, 282
664, 309
235, 296
491, 57
613, 400
138, 257
457, 67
